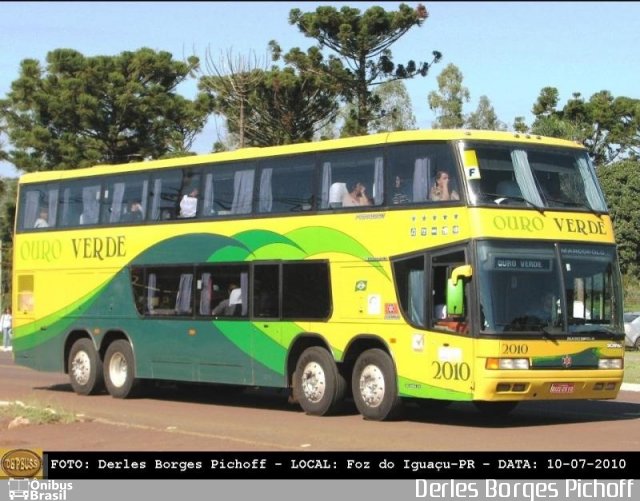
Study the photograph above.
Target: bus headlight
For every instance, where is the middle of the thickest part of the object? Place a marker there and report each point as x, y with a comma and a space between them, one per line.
610, 363
507, 363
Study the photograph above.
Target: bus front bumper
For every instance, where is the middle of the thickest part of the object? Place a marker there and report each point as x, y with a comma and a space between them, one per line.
547, 385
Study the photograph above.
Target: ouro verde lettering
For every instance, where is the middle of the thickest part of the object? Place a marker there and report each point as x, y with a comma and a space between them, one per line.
518, 223
579, 226
99, 248
41, 250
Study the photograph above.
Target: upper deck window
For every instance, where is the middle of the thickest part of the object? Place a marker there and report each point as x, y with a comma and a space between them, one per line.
353, 178
286, 185
524, 175
38, 207
422, 173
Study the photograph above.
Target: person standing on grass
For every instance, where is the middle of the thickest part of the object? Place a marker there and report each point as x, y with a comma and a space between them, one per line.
5, 324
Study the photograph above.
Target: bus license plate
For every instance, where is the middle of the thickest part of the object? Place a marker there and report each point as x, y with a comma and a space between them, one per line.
562, 387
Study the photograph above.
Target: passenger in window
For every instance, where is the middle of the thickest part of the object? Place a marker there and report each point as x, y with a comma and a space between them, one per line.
400, 194
216, 294
228, 307
189, 204
43, 219
440, 311
134, 213
441, 189
356, 196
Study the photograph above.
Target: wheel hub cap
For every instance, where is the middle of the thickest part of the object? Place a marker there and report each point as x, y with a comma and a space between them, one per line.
372, 386
313, 382
118, 369
81, 367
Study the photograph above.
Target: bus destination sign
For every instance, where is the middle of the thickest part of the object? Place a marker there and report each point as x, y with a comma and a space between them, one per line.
522, 264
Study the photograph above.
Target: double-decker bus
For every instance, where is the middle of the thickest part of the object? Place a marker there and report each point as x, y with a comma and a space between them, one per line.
428, 265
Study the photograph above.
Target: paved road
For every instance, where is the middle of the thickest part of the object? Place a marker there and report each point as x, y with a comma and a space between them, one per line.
196, 417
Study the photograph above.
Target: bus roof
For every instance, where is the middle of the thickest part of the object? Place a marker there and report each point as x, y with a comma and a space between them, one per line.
310, 147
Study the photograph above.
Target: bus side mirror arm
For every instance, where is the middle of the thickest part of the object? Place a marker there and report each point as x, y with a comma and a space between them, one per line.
464, 271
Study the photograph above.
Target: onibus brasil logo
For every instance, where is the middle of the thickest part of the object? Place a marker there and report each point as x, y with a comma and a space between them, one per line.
20, 467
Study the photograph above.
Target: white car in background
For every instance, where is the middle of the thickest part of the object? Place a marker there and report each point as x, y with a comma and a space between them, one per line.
632, 330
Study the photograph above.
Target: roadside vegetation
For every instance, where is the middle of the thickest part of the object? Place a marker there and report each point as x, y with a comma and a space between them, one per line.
33, 413
632, 367
631, 294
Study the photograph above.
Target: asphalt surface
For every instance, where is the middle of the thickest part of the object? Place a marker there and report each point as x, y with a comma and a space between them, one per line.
189, 417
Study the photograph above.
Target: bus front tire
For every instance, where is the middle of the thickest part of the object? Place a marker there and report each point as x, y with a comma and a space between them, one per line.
119, 369
318, 386
374, 386
85, 368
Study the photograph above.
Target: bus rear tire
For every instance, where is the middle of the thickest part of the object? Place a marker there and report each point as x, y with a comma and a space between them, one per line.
119, 369
85, 368
374, 386
318, 386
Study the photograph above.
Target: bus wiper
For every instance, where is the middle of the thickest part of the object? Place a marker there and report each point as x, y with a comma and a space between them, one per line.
499, 198
547, 334
572, 203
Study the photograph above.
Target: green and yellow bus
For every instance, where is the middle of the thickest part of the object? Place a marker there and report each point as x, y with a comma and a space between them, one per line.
443, 265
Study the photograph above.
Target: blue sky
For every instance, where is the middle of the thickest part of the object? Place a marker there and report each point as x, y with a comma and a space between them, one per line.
507, 51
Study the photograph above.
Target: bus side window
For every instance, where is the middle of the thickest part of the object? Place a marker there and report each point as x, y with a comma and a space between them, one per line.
39, 207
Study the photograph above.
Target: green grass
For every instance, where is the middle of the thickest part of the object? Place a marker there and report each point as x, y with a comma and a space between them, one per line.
36, 413
632, 367
631, 293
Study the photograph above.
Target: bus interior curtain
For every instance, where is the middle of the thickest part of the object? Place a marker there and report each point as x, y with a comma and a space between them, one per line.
207, 202
417, 298
66, 206
53, 205
524, 177
116, 203
266, 195
421, 179
31, 209
594, 197
144, 197
242, 191
90, 204
326, 185
244, 286
183, 299
152, 281
205, 295
155, 203
378, 181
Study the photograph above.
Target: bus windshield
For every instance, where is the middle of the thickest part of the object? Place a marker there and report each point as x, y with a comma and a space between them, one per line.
522, 175
547, 288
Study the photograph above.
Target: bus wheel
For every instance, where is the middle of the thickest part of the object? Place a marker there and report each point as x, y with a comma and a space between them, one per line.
318, 386
495, 408
119, 369
85, 368
374, 386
